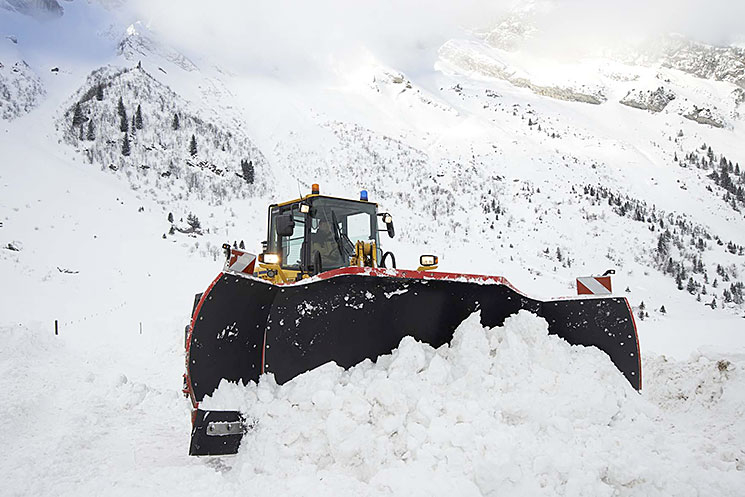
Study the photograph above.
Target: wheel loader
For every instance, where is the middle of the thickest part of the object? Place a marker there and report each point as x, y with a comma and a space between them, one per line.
323, 289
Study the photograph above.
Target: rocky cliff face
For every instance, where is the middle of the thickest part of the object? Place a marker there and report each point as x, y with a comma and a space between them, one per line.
653, 101
705, 116
704, 61
474, 58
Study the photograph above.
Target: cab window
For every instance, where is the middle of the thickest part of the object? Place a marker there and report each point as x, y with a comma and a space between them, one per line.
292, 245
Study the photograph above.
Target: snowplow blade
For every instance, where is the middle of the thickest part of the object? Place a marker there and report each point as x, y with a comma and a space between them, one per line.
215, 433
244, 326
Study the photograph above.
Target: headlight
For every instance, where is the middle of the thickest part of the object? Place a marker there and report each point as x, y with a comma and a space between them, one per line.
428, 260
271, 258
387, 219
304, 208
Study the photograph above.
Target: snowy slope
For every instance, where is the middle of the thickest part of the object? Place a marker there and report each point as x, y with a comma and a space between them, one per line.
493, 159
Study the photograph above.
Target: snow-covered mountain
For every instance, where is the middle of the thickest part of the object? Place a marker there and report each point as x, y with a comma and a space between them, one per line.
126, 121
499, 159
20, 87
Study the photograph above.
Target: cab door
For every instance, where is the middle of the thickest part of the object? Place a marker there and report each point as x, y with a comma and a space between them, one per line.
293, 247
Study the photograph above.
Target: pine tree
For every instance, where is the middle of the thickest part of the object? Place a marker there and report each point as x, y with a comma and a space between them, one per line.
170, 217
727, 296
77, 116
670, 268
138, 117
175, 125
193, 146
125, 145
134, 126
123, 122
247, 167
91, 135
193, 221
691, 286
663, 310
81, 133
242, 245
120, 108
99, 92
662, 245
642, 306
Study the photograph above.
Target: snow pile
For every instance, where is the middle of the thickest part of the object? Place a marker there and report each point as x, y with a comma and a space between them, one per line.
505, 411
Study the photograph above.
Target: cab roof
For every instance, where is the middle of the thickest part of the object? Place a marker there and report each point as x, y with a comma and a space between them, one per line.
315, 195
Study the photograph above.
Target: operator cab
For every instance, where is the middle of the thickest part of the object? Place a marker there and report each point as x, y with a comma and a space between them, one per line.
317, 233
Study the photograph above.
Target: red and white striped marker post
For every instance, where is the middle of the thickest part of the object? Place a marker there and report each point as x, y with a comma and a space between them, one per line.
240, 262
594, 285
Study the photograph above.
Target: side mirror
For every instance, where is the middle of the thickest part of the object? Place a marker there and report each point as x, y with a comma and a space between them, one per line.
388, 220
285, 225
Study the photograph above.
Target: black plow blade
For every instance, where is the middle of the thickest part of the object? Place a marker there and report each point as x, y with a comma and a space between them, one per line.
244, 326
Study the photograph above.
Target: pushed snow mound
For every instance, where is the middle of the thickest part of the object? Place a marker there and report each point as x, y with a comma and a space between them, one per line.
509, 410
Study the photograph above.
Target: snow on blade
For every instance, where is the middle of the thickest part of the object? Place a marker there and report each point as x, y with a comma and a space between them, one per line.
506, 411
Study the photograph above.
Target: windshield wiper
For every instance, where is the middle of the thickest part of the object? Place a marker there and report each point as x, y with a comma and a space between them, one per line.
338, 238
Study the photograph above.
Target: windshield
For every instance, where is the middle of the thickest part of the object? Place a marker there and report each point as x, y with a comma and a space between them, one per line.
335, 228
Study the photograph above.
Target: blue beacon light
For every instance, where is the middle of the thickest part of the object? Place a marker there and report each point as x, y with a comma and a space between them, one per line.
363, 195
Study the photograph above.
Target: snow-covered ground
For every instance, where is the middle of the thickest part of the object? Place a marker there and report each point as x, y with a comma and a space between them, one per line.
509, 410
475, 164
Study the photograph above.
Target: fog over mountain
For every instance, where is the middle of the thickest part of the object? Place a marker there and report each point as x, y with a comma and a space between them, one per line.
406, 34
